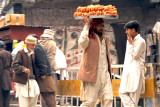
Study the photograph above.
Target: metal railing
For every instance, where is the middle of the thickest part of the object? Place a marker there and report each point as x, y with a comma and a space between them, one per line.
151, 70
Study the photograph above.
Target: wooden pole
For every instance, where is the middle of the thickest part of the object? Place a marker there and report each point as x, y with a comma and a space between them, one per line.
28, 93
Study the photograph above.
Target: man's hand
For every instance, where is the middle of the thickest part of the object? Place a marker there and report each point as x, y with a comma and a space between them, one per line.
85, 18
43, 77
129, 39
27, 71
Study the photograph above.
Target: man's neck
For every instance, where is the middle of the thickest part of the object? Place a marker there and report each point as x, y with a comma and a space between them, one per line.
134, 35
100, 38
28, 50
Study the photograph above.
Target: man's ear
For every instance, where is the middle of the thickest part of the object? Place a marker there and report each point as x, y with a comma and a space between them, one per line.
133, 30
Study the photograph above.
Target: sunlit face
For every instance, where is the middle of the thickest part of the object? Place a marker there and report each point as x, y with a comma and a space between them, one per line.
100, 28
30, 47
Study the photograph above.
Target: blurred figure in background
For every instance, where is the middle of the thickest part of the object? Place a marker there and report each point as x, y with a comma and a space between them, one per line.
5, 77
49, 46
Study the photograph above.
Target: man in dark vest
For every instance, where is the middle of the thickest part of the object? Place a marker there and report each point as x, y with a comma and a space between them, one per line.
95, 68
44, 77
27, 89
5, 78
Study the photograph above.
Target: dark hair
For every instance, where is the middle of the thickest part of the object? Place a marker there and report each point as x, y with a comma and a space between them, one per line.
2, 44
132, 25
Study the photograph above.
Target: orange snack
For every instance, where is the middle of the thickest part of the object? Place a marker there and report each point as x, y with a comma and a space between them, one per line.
84, 9
103, 12
106, 13
75, 14
92, 13
79, 14
87, 9
79, 9
101, 8
96, 10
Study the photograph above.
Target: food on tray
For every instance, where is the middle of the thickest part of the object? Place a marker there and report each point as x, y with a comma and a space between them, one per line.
96, 10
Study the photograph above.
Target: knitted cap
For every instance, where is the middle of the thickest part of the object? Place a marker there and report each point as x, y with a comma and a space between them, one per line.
31, 40
48, 33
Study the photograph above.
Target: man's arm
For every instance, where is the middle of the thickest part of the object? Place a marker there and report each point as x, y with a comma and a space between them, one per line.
51, 54
1, 66
137, 49
84, 40
17, 65
40, 60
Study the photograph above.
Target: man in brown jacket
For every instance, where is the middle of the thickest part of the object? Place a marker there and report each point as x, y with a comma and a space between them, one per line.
95, 69
5, 78
27, 89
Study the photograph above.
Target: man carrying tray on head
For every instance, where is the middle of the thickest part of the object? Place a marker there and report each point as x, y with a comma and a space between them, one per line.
95, 68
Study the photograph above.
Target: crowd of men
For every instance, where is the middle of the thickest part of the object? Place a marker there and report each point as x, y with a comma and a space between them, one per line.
34, 65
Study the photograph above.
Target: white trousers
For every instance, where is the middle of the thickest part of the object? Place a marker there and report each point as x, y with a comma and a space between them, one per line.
23, 101
102, 89
130, 99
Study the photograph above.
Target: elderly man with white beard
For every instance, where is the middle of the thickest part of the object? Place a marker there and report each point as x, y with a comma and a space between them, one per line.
27, 89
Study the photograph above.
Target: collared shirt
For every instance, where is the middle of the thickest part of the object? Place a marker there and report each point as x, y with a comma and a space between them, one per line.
135, 50
29, 53
102, 62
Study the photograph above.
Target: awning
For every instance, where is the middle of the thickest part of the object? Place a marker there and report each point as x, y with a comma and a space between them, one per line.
8, 33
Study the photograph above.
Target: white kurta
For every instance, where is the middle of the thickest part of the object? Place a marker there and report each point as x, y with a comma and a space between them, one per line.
22, 90
133, 68
102, 89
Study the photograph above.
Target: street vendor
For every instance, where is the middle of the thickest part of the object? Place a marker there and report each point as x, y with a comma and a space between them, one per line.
95, 67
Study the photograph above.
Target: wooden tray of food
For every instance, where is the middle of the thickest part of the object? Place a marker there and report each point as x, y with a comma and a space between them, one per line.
98, 16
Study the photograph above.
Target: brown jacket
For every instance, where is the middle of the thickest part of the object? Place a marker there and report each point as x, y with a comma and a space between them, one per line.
89, 63
20, 63
50, 47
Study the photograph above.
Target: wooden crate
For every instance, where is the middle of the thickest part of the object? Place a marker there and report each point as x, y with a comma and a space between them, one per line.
15, 19
2, 22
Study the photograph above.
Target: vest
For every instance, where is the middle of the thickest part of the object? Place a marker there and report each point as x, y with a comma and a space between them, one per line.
89, 64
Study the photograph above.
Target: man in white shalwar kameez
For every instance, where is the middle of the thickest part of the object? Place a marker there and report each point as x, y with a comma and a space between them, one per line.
133, 80
94, 71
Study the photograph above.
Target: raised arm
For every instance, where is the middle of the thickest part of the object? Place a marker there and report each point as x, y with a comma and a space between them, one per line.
84, 40
137, 49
